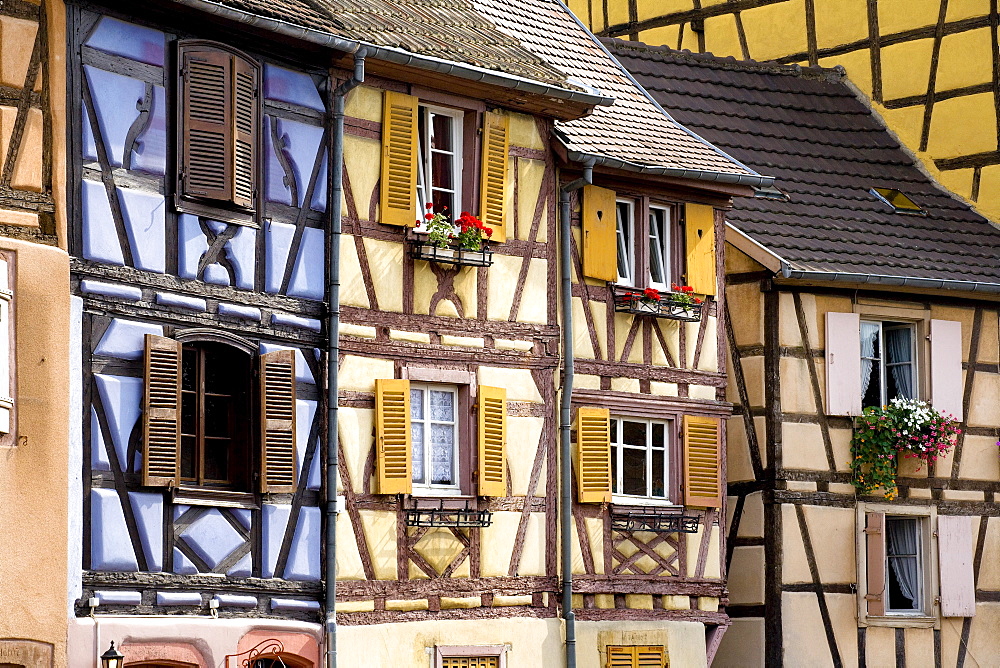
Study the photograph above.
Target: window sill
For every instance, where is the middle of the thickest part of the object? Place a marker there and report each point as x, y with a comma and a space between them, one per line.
901, 621
624, 500
220, 498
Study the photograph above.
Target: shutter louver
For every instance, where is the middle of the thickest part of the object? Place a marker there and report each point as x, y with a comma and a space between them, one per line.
843, 363
600, 244
277, 401
161, 424
493, 184
702, 462
219, 122
392, 433
700, 235
398, 195
947, 389
593, 455
875, 563
492, 441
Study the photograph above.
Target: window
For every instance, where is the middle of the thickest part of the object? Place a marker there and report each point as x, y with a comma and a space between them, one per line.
661, 273
639, 458
434, 434
218, 135
625, 231
636, 656
426, 443
439, 164
208, 424
470, 656
899, 202
888, 362
904, 566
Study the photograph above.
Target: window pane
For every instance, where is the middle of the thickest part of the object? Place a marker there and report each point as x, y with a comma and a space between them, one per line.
615, 451
416, 404
442, 406
614, 430
658, 481
658, 245
217, 415
417, 438
871, 363
188, 457
217, 459
904, 576
624, 222
444, 202
634, 472
659, 435
442, 454
441, 132
189, 413
442, 165
899, 373
634, 433
219, 368
189, 369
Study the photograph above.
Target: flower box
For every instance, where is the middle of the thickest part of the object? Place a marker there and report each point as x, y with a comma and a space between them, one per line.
453, 254
674, 306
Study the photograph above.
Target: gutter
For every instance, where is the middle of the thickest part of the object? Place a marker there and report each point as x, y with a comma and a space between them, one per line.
336, 189
565, 404
752, 179
395, 55
883, 279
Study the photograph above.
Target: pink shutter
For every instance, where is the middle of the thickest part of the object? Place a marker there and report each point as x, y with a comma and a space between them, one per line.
958, 589
875, 563
843, 363
946, 367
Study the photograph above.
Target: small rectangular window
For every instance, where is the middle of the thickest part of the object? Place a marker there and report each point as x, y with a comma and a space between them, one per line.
640, 458
899, 202
904, 565
435, 438
626, 248
660, 274
439, 162
888, 362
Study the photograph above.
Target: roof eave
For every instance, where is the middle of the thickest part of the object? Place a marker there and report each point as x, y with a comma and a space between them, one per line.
884, 279
397, 56
677, 172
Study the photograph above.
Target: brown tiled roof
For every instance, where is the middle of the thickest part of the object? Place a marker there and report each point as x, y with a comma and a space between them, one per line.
826, 149
633, 129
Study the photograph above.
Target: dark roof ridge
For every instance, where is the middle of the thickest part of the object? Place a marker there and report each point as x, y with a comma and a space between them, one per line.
832, 74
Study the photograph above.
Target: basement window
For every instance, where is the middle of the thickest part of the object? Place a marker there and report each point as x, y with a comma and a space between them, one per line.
899, 202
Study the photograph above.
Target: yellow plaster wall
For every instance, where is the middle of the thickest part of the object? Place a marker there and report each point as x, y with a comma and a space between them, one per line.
963, 123
33, 473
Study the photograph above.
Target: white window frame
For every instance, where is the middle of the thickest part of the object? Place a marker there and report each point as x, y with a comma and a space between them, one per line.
425, 169
921, 551
427, 488
660, 248
617, 453
625, 241
930, 614
883, 364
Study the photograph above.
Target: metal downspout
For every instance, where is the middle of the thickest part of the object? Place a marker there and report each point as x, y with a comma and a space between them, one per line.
566, 481
336, 188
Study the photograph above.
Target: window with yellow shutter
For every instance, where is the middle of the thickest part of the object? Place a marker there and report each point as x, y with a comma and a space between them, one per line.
636, 656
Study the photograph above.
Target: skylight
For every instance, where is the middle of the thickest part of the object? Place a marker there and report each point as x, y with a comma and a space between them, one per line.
899, 202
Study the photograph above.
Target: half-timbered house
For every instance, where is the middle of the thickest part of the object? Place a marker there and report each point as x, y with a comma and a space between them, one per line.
854, 280
249, 186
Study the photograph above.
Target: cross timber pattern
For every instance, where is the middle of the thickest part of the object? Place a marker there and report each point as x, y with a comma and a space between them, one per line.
930, 67
26, 204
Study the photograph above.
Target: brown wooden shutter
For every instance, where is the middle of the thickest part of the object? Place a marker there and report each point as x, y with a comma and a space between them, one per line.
702, 462
699, 221
593, 455
492, 441
219, 124
392, 433
600, 241
642, 656
875, 563
493, 183
277, 402
161, 407
398, 195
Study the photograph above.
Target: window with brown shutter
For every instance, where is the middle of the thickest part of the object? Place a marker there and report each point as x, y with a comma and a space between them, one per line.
219, 117
161, 419
277, 402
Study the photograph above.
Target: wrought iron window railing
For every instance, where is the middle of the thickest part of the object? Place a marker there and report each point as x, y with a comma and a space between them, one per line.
445, 512
643, 518
665, 305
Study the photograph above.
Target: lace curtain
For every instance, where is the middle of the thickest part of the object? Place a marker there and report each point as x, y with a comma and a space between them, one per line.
869, 338
436, 431
899, 348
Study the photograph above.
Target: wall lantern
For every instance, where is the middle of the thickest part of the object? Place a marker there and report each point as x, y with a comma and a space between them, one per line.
112, 658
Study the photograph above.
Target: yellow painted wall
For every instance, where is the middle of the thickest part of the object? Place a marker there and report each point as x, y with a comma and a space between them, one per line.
894, 68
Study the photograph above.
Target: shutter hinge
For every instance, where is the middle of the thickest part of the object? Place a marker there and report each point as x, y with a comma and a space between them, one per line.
873, 597
873, 531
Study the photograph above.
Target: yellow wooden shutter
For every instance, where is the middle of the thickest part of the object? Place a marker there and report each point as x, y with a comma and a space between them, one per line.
700, 226
600, 243
636, 656
277, 402
496, 139
492, 441
398, 201
702, 462
593, 455
392, 429
161, 419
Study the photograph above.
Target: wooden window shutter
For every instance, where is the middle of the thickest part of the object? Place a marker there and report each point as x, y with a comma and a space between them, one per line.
702, 461
843, 363
648, 656
161, 412
493, 183
277, 402
600, 244
958, 589
392, 432
593, 455
947, 389
7, 352
492, 441
219, 124
875, 563
699, 222
398, 195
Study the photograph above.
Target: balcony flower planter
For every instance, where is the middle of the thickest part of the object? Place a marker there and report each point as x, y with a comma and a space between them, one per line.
905, 428
672, 305
421, 249
464, 243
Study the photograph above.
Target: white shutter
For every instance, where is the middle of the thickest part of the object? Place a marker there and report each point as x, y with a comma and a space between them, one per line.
958, 588
843, 363
947, 388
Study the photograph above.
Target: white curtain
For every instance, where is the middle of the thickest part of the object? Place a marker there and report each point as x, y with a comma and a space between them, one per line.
899, 349
869, 333
902, 536
442, 459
